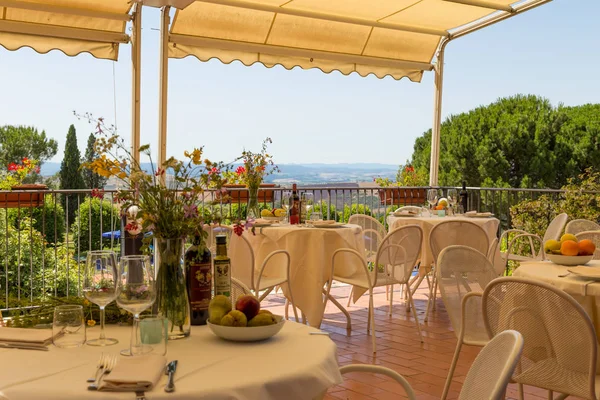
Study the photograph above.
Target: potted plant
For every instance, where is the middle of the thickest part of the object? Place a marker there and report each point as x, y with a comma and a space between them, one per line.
21, 195
250, 175
406, 190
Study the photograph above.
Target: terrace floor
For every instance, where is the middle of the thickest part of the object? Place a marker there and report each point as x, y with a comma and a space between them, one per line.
424, 365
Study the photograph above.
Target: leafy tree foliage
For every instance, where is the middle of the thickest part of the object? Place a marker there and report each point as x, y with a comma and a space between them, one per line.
17, 142
520, 141
48, 219
70, 173
86, 228
91, 179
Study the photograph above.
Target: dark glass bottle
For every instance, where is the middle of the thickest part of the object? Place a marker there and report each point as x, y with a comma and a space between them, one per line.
295, 206
198, 274
464, 197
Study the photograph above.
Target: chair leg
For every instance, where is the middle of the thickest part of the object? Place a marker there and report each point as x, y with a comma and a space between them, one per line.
372, 320
387, 292
550, 395
430, 299
391, 299
435, 291
343, 310
451, 371
287, 306
521, 396
350, 296
412, 303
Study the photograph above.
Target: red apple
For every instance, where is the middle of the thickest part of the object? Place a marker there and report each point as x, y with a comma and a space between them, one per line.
249, 305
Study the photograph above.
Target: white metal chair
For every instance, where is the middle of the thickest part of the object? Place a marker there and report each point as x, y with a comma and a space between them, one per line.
496, 258
560, 348
487, 378
212, 232
397, 254
238, 289
448, 233
581, 225
462, 275
594, 236
553, 231
274, 270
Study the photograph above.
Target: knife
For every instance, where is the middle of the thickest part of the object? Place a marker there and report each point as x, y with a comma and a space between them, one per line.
171, 367
23, 346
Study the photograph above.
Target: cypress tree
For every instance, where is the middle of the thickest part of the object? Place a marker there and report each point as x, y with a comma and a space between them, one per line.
70, 173
91, 179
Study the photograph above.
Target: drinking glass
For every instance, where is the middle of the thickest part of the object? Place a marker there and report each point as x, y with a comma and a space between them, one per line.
452, 198
100, 286
286, 197
432, 197
68, 326
307, 202
152, 335
137, 293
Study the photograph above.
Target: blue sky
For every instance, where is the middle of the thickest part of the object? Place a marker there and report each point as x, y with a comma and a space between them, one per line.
552, 51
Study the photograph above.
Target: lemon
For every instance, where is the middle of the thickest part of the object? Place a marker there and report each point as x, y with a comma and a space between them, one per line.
568, 236
551, 246
266, 213
279, 212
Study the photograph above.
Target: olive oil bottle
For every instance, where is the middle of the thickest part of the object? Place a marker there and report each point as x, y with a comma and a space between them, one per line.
222, 268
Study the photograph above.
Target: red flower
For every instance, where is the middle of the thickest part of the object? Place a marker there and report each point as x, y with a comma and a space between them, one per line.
12, 167
159, 172
132, 226
240, 170
238, 229
26, 161
97, 193
37, 169
409, 169
214, 170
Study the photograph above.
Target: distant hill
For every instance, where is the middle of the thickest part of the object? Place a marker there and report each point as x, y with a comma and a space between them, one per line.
303, 173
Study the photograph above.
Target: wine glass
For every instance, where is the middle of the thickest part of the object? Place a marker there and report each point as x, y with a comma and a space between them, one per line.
452, 198
100, 286
286, 197
307, 202
138, 293
432, 197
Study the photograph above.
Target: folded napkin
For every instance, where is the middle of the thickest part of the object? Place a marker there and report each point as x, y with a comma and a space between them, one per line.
323, 222
471, 213
483, 214
41, 337
135, 373
263, 221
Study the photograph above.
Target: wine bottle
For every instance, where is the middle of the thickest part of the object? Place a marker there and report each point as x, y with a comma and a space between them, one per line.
199, 280
295, 206
464, 197
222, 268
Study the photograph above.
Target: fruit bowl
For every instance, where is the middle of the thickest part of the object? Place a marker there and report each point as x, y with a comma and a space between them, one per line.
247, 334
273, 218
569, 260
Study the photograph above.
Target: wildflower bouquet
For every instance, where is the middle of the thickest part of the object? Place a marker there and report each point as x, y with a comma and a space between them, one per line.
16, 173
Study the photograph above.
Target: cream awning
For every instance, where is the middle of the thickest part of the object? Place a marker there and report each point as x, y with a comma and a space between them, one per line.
398, 38
72, 26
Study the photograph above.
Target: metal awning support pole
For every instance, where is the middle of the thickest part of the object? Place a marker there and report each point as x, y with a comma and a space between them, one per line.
164, 80
136, 67
434, 162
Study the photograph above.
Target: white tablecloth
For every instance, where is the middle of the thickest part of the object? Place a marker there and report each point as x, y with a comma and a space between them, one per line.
489, 225
291, 365
311, 250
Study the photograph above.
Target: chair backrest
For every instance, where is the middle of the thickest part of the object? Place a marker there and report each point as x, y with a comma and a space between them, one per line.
377, 369
213, 231
560, 348
399, 252
495, 257
555, 228
373, 233
238, 289
492, 369
581, 225
594, 236
465, 233
461, 270
242, 259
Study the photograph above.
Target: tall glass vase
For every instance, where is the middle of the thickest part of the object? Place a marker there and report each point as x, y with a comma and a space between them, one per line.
171, 294
253, 209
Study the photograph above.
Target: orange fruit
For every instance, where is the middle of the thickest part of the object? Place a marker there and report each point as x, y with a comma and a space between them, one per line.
586, 247
569, 248
439, 207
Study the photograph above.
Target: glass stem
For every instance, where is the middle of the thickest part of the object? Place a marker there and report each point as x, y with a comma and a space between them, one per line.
102, 336
136, 327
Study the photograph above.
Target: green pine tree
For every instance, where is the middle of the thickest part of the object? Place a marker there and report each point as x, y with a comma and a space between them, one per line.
91, 179
70, 173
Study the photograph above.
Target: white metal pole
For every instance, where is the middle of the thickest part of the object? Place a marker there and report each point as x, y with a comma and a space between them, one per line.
434, 161
136, 55
163, 79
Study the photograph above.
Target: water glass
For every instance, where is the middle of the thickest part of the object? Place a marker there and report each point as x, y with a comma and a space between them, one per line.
306, 199
316, 216
68, 326
432, 197
286, 198
151, 335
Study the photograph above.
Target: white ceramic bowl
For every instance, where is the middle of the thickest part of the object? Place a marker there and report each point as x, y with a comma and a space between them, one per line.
247, 334
273, 218
569, 260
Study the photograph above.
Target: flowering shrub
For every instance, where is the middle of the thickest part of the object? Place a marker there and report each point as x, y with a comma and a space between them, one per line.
16, 173
406, 176
255, 167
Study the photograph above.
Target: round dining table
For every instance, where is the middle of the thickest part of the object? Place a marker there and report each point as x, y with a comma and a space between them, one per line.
294, 364
489, 225
310, 249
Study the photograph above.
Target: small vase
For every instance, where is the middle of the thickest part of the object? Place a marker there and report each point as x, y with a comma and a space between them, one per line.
253, 210
171, 291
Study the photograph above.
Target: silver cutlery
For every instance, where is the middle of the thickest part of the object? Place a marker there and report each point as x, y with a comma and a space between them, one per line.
23, 346
108, 366
170, 370
140, 395
99, 367
319, 333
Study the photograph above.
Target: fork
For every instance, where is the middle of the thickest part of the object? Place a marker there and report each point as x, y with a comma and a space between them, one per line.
99, 367
108, 366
